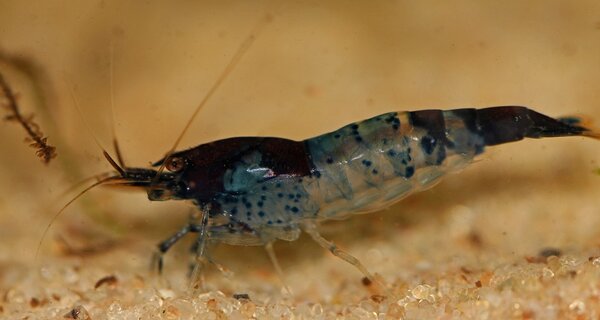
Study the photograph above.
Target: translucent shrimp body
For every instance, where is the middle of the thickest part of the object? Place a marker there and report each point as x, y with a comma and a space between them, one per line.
368, 165
259, 189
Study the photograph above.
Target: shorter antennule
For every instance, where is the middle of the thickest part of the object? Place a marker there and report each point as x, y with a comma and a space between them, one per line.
114, 164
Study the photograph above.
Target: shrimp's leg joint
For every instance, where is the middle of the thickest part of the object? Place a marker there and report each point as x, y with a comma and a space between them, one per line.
163, 247
198, 247
311, 230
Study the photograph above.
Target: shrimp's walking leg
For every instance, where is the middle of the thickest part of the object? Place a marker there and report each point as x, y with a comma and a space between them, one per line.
311, 229
199, 246
163, 247
192, 226
275, 262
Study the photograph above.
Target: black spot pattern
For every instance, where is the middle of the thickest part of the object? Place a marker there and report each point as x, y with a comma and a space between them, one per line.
434, 142
410, 171
428, 144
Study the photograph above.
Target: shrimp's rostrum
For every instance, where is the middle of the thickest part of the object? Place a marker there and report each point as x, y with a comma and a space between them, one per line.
255, 190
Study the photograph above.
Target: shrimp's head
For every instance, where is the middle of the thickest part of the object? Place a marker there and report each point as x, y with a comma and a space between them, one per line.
185, 175
180, 176
216, 169
168, 184
159, 187
160, 183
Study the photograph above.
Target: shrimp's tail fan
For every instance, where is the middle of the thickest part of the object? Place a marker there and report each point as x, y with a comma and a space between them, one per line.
585, 123
504, 124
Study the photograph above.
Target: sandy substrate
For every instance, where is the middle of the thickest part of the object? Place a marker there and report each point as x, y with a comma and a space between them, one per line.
515, 235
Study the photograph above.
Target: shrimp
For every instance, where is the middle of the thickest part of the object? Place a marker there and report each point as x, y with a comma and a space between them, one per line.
253, 191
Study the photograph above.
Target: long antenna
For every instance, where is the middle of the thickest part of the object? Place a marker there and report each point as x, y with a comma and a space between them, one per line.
80, 183
97, 183
88, 127
242, 49
112, 105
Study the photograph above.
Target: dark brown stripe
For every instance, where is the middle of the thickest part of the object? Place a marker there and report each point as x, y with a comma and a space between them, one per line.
513, 123
502, 124
432, 121
207, 164
469, 118
434, 143
283, 156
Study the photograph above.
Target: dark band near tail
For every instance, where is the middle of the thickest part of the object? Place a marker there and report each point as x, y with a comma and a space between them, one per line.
510, 123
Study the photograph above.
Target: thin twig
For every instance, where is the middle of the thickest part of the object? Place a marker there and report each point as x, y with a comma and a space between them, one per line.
35, 137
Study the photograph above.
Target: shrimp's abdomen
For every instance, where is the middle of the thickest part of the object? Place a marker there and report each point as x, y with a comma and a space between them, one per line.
371, 164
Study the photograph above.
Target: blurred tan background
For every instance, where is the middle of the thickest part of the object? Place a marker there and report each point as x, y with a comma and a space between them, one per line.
317, 66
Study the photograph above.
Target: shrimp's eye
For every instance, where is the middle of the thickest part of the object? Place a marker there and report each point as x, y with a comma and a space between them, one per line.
175, 164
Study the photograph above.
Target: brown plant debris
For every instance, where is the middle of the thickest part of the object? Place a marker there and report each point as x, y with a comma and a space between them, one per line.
35, 137
108, 280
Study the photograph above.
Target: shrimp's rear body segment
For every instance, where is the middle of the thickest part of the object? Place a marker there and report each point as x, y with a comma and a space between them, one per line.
260, 189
